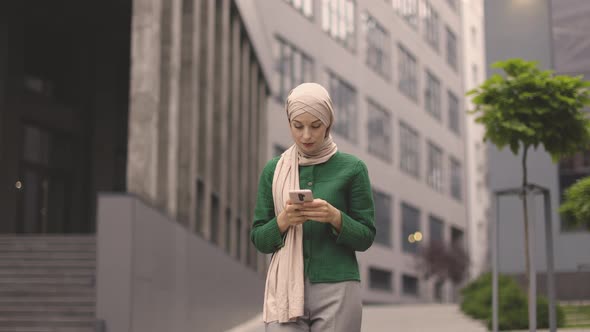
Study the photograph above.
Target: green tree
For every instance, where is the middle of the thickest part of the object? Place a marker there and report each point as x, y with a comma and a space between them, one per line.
576, 207
527, 107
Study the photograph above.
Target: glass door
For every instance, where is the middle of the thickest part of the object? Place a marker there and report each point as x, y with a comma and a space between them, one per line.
45, 187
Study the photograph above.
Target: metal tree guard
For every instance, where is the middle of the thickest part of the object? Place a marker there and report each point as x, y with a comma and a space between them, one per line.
530, 189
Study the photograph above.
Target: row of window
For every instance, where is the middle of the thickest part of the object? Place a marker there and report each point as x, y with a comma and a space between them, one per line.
338, 20
379, 124
379, 141
411, 233
411, 10
381, 279
294, 67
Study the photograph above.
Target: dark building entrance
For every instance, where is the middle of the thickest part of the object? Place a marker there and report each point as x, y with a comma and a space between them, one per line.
64, 82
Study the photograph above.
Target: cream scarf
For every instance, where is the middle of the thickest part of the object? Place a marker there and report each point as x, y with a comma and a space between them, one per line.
284, 293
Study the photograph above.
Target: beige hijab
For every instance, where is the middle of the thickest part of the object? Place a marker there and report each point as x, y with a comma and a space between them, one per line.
283, 296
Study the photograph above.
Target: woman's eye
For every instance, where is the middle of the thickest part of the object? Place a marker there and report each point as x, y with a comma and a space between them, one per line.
315, 127
298, 127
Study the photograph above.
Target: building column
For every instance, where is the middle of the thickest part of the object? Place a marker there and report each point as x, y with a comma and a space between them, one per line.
225, 93
142, 162
209, 110
252, 154
244, 148
196, 97
263, 259
170, 108
186, 113
233, 172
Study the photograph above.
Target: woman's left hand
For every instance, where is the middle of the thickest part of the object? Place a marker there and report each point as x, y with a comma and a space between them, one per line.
322, 211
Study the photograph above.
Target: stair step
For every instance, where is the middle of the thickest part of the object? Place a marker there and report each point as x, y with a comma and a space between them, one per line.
44, 255
56, 301
45, 290
47, 238
34, 247
18, 263
27, 272
48, 280
39, 310
25, 328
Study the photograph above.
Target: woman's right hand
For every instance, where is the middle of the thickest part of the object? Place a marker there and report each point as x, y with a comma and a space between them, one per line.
290, 216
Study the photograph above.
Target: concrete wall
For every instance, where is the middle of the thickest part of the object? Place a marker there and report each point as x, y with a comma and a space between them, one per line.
522, 29
155, 275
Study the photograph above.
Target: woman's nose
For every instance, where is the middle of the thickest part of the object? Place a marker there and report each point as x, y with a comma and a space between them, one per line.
306, 133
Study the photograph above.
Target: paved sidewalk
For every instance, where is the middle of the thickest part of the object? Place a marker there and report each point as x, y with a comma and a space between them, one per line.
418, 318
406, 318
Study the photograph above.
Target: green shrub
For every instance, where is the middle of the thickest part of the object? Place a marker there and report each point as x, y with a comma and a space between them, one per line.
513, 304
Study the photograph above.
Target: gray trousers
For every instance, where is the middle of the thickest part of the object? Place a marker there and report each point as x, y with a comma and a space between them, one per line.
329, 307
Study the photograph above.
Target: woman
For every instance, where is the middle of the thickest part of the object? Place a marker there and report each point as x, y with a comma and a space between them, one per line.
313, 281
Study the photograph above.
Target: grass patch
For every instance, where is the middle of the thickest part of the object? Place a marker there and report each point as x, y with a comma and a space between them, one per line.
576, 316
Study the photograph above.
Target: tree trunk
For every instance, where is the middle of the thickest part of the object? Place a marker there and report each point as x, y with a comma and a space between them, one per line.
526, 218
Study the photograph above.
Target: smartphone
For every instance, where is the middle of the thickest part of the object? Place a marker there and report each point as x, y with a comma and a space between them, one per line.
300, 196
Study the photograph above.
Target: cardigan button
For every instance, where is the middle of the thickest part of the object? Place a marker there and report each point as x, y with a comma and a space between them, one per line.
309, 183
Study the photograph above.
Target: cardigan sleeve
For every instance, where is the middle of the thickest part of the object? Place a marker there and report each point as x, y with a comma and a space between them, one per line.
265, 233
358, 225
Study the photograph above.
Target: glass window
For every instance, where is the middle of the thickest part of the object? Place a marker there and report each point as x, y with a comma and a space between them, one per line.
410, 285
200, 206
457, 237
409, 150
304, 6
214, 218
436, 229
408, 73
452, 49
432, 95
293, 67
408, 10
378, 47
410, 226
453, 112
434, 173
379, 131
380, 279
382, 217
344, 99
431, 25
453, 5
456, 179
338, 20
228, 228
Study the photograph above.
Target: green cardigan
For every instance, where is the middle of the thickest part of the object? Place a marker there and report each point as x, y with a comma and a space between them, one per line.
343, 181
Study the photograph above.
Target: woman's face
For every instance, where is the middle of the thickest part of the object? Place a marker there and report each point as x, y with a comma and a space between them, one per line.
308, 132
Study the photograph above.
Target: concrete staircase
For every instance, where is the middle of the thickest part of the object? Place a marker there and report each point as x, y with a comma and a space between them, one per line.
47, 283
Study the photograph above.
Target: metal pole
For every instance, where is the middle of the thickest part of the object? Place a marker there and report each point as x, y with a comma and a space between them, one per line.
549, 253
495, 265
532, 268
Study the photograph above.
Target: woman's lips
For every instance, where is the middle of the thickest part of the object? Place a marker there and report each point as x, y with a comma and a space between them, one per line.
308, 145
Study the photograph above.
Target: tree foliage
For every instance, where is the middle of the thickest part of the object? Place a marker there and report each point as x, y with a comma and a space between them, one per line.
528, 107
576, 206
513, 305
443, 261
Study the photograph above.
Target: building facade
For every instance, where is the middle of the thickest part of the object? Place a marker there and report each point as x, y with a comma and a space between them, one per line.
554, 34
395, 71
478, 198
